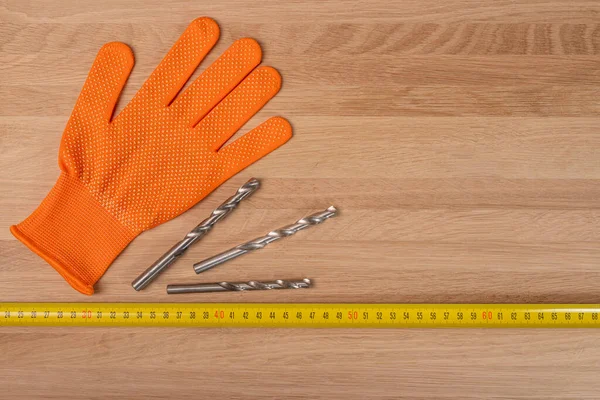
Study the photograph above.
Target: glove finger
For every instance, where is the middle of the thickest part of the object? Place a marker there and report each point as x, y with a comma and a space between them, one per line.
217, 80
254, 145
180, 63
238, 107
104, 84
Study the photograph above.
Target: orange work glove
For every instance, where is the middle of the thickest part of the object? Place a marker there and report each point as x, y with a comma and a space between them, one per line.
161, 155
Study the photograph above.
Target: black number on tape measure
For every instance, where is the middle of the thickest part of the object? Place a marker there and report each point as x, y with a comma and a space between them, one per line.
6, 314
352, 315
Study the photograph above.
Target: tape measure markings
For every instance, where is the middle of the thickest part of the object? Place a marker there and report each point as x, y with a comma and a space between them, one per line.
301, 315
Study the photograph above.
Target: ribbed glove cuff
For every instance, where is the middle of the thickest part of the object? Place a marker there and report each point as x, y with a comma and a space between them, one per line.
74, 234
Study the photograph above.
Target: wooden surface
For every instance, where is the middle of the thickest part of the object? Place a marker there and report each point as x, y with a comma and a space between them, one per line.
460, 139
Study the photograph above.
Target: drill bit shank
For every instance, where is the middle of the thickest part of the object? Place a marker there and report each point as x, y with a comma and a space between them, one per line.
196, 234
262, 241
239, 286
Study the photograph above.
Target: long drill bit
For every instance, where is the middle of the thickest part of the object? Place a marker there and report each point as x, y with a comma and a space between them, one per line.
196, 234
262, 241
239, 286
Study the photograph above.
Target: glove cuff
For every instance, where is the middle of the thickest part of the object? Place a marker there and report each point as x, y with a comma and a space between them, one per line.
74, 234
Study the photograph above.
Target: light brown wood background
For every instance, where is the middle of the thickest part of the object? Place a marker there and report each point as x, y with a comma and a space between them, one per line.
460, 139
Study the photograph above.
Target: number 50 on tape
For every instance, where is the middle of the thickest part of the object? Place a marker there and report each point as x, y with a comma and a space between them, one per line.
316, 315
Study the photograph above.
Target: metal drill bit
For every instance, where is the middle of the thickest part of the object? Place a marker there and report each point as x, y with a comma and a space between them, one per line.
262, 241
239, 286
198, 232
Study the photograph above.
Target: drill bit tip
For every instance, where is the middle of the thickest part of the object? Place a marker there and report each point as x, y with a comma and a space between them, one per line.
252, 182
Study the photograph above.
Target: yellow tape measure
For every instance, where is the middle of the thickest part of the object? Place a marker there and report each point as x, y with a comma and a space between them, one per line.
270, 315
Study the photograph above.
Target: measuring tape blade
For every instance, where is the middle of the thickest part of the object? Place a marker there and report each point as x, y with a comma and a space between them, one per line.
317, 315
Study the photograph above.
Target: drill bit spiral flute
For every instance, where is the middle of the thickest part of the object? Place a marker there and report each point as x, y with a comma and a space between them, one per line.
262, 241
196, 234
239, 286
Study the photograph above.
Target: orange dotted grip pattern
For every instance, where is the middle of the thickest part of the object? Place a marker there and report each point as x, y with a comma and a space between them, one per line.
161, 155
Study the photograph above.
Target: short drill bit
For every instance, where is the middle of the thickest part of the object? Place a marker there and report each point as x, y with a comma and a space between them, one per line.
262, 241
239, 286
198, 232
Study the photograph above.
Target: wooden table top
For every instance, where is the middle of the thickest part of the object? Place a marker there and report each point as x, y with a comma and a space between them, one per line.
459, 138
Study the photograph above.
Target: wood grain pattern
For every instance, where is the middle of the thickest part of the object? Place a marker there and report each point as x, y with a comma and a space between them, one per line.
459, 138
